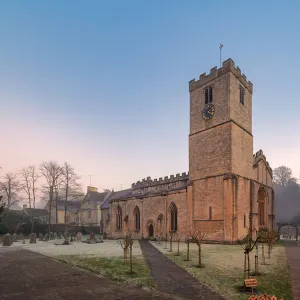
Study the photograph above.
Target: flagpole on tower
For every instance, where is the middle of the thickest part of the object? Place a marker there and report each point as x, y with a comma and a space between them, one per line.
221, 46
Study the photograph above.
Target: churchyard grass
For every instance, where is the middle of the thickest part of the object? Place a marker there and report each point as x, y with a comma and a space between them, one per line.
223, 266
114, 268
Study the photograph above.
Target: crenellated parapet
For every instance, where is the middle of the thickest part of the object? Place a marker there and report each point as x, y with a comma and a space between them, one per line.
227, 66
147, 185
259, 155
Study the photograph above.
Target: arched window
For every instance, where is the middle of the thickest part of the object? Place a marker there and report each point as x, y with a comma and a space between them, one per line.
173, 217
118, 218
262, 201
137, 217
210, 213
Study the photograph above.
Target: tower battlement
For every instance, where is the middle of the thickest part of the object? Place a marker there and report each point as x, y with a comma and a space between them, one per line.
148, 182
227, 66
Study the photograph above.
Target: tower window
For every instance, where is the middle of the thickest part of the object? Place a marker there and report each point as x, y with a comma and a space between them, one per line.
242, 95
210, 213
244, 221
208, 95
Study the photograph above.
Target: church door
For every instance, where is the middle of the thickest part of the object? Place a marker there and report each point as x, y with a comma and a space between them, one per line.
151, 230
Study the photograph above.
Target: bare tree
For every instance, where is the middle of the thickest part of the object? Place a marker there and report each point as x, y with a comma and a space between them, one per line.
125, 244
248, 243
172, 235
10, 186
26, 186
70, 186
282, 175
2, 206
52, 172
34, 176
197, 237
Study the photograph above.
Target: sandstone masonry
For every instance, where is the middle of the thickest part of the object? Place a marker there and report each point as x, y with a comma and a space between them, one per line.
227, 189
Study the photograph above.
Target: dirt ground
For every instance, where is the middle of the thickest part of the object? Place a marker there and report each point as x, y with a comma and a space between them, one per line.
31, 276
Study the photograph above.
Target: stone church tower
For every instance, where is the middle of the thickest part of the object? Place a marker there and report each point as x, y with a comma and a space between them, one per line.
221, 173
227, 189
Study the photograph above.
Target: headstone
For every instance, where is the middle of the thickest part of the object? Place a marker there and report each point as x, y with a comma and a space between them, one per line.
10, 237
92, 236
32, 238
59, 235
46, 237
66, 239
6, 241
51, 236
21, 237
79, 237
66, 236
55, 235
41, 237
14, 237
23, 242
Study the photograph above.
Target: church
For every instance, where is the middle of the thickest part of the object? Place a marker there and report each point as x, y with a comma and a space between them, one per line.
227, 189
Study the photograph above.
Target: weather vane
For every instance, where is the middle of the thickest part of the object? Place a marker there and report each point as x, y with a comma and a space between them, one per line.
221, 46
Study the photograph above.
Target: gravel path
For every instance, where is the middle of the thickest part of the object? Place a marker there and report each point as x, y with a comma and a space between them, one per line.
293, 257
172, 279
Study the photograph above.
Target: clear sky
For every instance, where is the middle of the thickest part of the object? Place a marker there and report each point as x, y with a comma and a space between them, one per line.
104, 84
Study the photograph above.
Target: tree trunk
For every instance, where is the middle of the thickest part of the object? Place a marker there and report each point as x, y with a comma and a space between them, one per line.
199, 255
66, 202
131, 259
248, 257
263, 254
50, 207
245, 266
188, 251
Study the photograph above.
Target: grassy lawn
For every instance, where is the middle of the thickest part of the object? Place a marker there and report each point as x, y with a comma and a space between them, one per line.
223, 267
113, 267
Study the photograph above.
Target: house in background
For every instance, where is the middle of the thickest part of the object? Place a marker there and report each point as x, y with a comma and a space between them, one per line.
38, 214
80, 212
90, 211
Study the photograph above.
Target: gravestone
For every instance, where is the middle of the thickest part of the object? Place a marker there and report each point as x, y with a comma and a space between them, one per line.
32, 238
6, 241
66, 236
79, 237
66, 239
14, 237
59, 235
10, 237
92, 236
41, 237
51, 236
23, 242
46, 237
55, 235
72, 237
21, 237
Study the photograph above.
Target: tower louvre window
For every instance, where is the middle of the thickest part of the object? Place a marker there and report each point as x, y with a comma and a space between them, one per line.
242, 95
208, 94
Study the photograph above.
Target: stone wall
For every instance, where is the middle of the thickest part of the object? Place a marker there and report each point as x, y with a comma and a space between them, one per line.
150, 209
210, 152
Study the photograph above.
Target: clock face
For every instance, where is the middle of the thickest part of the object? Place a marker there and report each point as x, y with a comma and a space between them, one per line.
208, 111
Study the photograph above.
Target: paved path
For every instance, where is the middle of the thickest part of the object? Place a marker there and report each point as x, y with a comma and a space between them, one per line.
31, 276
172, 279
293, 257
